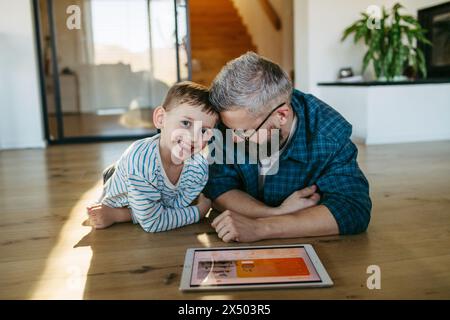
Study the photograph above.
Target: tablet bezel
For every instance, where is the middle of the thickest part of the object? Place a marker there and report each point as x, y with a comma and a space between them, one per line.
185, 284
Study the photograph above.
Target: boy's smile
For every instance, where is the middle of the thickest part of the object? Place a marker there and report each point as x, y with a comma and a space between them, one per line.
185, 129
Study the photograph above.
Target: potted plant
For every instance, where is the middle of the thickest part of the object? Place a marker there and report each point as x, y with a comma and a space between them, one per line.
392, 43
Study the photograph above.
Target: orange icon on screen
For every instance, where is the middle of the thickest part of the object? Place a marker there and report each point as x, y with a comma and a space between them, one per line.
281, 267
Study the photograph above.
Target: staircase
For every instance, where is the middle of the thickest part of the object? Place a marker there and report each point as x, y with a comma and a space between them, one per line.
218, 35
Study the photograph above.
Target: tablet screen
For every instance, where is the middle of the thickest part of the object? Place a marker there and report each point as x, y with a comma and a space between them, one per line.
234, 266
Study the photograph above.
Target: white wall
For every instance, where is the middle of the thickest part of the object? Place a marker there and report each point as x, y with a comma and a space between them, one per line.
273, 44
393, 113
21, 124
320, 23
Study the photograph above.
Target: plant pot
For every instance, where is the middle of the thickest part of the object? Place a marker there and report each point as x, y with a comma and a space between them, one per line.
400, 78
394, 79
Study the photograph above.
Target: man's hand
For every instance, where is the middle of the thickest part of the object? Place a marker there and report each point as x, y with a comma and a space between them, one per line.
231, 226
299, 200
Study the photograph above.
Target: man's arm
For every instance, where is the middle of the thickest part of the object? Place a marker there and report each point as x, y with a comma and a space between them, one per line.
310, 222
344, 208
225, 186
241, 202
345, 191
314, 221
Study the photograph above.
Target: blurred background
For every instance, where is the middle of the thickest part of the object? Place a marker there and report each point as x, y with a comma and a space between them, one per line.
93, 70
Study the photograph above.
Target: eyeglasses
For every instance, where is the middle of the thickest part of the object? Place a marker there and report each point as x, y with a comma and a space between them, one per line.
241, 133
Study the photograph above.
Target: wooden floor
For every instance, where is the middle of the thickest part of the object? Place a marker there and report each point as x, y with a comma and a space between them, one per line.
131, 123
47, 253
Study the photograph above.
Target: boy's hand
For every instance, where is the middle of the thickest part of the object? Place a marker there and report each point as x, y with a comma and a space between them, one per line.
203, 205
101, 216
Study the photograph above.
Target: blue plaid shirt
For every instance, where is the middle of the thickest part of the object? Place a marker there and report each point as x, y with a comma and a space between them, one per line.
319, 153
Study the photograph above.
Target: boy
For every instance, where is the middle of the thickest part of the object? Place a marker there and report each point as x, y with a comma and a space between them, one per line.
156, 180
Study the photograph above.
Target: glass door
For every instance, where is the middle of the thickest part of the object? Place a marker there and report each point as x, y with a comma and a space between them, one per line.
107, 64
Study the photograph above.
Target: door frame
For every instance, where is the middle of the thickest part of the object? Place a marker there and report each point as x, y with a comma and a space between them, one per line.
61, 139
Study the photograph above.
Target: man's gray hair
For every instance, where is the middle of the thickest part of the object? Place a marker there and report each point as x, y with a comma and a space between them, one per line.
249, 81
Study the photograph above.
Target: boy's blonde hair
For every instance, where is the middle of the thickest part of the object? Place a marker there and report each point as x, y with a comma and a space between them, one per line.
191, 93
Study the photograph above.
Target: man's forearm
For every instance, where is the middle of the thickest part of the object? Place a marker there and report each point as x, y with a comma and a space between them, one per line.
310, 222
241, 202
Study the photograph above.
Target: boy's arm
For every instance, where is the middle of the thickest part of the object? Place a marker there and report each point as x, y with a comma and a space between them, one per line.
147, 210
193, 182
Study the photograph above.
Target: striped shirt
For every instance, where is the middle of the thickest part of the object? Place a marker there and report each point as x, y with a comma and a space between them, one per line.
140, 182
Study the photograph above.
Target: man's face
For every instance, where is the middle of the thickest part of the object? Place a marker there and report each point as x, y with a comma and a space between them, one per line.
243, 123
241, 120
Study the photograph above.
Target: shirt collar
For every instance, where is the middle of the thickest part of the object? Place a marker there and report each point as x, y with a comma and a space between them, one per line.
296, 149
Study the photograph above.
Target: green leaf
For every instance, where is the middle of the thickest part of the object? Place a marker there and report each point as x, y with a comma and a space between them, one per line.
413, 61
360, 33
420, 35
393, 46
409, 36
385, 13
395, 10
366, 60
367, 38
389, 59
421, 63
350, 30
377, 68
411, 20
397, 6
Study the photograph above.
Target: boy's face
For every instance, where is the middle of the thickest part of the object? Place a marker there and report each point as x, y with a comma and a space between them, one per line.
185, 129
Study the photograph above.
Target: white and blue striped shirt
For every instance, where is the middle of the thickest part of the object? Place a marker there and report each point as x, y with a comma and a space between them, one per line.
141, 183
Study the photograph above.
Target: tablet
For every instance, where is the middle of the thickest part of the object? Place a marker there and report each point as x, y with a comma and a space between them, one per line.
283, 266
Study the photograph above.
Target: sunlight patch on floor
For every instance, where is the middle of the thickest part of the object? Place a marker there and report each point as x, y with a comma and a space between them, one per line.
66, 268
204, 239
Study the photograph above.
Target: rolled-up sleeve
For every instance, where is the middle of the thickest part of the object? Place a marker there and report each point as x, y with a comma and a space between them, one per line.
222, 178
345, 191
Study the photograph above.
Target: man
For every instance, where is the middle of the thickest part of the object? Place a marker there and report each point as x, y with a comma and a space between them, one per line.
318, 188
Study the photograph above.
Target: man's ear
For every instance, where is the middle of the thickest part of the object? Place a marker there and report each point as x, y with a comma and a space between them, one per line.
283, 114
158, 117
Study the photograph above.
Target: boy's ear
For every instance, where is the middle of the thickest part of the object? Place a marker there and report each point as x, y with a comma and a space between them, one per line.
158, 117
